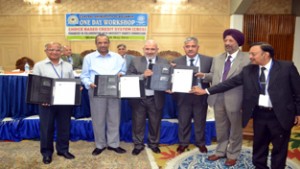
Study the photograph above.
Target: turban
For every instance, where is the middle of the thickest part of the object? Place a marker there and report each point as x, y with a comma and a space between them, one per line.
236, 34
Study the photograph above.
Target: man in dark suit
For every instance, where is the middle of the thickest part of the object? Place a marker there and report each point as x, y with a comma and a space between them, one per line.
72, 58
189, 105
122, 50
151, 106
272, 97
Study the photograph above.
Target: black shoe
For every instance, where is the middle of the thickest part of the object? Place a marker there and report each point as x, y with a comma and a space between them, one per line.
155, 150
47, 159
67, 155
202, 149
136, 151
97, 151
180, 149
117, 150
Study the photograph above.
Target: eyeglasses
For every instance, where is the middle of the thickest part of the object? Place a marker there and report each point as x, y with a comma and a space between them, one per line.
121, 48
53, 50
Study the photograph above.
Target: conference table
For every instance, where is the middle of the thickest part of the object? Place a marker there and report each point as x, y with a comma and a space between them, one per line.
21, 126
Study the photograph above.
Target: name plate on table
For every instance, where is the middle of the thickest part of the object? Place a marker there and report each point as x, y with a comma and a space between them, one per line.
53, 91
178, 79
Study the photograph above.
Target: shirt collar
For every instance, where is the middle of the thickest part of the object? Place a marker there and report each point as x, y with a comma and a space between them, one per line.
233, 55
49, 61
267, 66
188, 58
153, 59
107, 55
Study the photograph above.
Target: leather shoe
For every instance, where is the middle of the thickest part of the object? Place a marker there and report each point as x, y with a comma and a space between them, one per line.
202, 149
214, 157
67, 155
230, 162
180, 149
136, 151
97, 151
47, 159
155, 150
117, 150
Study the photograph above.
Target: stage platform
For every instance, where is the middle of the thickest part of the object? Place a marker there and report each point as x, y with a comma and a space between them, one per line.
81, 129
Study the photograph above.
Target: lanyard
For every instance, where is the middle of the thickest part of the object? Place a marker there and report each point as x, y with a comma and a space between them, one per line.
61, 73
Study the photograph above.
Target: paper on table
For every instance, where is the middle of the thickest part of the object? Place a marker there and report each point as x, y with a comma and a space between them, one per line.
182, 80
64, 93
129, 86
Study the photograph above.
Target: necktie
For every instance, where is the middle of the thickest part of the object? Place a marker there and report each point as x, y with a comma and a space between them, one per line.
150, 65
191, 62
69, 59
148, 82
262, 80
226, 68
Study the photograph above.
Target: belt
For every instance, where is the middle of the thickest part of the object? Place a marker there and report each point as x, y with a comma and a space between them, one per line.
265, 108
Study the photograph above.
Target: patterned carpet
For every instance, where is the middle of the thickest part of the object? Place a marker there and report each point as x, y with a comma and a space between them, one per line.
170, 159
25, 155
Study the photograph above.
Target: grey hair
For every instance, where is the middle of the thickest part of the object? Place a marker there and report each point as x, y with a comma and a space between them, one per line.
191, 39
102, 35
53, 43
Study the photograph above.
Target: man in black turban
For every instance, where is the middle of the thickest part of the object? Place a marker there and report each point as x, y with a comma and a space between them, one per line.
227, 105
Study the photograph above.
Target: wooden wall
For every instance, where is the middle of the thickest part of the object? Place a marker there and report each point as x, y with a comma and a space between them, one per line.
24, 29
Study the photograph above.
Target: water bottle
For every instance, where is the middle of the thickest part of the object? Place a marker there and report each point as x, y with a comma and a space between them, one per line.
26, 68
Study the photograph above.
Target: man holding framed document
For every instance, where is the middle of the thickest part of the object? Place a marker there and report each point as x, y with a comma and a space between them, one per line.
150, 106
189, 105
54, 67
105, 111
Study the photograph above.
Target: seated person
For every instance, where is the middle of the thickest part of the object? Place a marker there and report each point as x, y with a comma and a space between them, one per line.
20, 63
72, 58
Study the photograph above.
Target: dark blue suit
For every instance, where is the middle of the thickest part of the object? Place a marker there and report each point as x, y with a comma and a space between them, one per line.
269, 125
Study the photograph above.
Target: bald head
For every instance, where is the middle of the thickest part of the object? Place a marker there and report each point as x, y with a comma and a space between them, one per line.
150, 49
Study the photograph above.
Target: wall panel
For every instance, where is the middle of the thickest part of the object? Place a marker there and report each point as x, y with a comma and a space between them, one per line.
209, 23
11, 49
170, 24
44, 24
14, 25
38, 45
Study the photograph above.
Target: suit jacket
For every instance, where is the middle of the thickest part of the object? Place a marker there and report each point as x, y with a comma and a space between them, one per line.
138, 66
77, 60
205, 65
233, 97
128, 60
283, 89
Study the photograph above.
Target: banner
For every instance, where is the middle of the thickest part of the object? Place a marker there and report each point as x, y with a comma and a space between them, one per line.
118, 26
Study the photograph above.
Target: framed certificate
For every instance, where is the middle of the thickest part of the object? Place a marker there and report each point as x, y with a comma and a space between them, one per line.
53, 91
107, 86
132, 86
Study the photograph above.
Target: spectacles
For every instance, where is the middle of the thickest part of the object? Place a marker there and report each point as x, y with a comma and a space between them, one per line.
121, 48
53, 50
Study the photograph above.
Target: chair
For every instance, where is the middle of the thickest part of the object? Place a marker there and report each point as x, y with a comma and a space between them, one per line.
20, 63
169, 55
134, 53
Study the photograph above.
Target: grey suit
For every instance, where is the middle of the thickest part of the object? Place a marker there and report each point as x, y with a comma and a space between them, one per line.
151, 107
192, 106
227, 106
128, 60
77, 60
